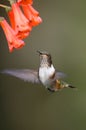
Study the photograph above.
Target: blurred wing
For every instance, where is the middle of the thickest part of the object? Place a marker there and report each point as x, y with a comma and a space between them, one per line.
60, 75
24, 74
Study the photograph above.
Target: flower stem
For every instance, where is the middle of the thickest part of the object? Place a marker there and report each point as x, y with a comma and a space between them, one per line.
4, 6
12, 1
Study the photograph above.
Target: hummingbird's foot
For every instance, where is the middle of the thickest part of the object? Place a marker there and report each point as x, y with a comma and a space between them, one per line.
51, 90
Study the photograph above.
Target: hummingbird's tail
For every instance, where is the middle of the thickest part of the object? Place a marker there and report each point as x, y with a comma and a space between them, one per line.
66, 85
70, 86
62, 84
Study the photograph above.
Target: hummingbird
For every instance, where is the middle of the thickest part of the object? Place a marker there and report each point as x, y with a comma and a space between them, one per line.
45, 75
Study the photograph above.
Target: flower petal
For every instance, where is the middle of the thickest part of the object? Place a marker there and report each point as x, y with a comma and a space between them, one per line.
21, 22
32, 15
25, 2
13, 40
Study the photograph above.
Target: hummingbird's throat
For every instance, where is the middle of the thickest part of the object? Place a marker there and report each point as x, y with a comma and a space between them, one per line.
45, 61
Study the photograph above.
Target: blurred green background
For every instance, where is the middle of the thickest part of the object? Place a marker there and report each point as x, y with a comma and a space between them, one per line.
24, 106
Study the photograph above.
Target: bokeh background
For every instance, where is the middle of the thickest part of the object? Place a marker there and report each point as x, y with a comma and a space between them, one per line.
24, 106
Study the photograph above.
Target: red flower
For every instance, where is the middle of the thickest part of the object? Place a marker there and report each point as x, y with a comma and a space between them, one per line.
13, 41
25, 2
19, 22
31, 15
20, 34
11, 17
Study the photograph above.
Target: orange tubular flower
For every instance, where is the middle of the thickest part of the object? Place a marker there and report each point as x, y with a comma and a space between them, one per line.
11, 18
25, 2
21, 23
20, 34
32, 15
13, 41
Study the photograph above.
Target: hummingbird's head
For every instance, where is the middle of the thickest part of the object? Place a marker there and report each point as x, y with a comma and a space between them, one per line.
45, 58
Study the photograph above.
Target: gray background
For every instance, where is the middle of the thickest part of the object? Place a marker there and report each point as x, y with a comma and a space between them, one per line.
24, 106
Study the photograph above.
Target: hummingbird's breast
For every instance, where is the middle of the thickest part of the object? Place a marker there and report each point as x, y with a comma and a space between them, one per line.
45, 73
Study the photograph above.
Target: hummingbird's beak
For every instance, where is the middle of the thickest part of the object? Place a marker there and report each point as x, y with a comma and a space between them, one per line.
39, 52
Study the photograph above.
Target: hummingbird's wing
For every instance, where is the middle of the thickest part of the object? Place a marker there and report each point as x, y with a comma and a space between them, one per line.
23, 74
60, 75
